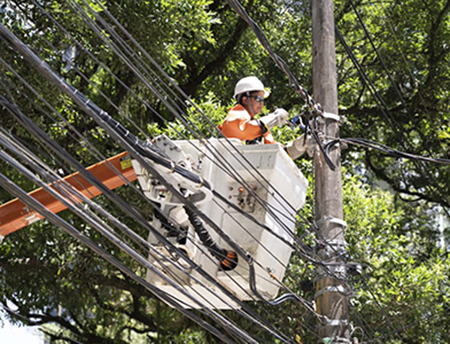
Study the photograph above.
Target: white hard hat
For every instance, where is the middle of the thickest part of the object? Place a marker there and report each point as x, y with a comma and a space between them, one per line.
249, 84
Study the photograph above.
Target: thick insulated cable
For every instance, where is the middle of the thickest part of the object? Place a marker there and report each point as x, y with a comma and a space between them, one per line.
228, 259
13, 189
102, 119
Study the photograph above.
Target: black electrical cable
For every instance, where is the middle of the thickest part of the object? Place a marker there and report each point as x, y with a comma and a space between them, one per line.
124, 206
137, 73
79, 137
74, 196
278, 60
96, 14
57, 221
402, 139
117, 131
245, 16
219, 285
390, 120
312, 105
115, 241
68, 194
228, 259
387, 150
158, 67
261, 201
165, 100
82, 168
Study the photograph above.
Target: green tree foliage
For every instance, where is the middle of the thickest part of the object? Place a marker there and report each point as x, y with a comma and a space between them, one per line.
402, 296
408, 70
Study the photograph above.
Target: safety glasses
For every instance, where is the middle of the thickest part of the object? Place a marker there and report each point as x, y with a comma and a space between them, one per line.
258, 99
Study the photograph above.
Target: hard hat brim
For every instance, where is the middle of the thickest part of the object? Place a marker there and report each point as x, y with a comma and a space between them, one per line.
266, 93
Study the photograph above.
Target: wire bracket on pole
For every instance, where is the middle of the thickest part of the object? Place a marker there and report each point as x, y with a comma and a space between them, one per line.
331, 289
327, 223
330, 250
333, 117
334, 322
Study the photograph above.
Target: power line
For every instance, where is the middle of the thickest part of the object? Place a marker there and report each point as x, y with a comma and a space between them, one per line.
117, 241
395, 126
387, 150
133, 65
236, 176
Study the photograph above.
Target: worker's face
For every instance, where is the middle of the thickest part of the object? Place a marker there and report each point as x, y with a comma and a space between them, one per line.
254, 103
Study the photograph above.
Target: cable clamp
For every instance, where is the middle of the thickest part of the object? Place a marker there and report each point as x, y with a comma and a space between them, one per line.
329, 115
334, 117
331, 289
329, 221
334, 322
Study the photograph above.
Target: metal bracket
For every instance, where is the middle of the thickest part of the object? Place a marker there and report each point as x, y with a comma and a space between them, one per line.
334, 117
327, 223
329, 115
331, 220
331, 289
333, 322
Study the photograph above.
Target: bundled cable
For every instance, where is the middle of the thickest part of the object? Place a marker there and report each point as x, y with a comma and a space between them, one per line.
146, 150
228, 259
387, 150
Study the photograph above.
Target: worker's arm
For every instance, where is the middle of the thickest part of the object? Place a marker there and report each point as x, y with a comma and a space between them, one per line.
242, 129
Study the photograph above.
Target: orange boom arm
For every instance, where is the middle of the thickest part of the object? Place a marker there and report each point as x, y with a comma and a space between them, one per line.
15, 215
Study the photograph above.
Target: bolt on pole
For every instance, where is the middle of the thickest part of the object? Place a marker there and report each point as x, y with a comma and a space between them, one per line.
331, 278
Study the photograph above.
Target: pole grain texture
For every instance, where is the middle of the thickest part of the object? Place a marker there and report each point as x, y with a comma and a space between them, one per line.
331, 286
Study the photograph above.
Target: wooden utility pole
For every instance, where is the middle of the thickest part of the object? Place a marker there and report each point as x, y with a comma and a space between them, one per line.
331, 286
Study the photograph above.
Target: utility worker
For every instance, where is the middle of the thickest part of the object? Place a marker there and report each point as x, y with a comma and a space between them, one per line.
240, 123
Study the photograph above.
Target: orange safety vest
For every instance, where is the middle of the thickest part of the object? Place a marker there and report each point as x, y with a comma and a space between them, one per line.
239, 125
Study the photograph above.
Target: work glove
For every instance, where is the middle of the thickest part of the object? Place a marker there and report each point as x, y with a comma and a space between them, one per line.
299, 146
276, 118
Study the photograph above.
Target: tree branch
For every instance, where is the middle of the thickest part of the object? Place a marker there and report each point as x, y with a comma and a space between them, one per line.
196, 76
